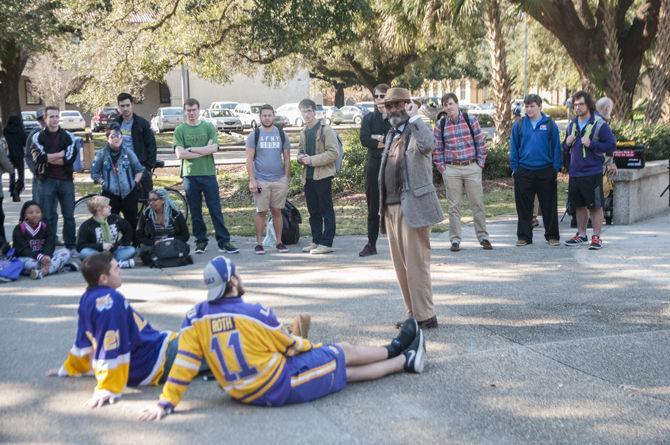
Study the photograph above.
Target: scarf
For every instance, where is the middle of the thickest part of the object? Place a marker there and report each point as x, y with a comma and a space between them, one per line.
106, 232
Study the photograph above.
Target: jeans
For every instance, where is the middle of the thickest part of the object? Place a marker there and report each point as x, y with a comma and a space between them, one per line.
195, 187
54, 192
122, 253
319, 197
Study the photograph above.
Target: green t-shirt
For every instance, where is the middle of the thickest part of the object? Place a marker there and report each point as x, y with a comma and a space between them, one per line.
187, 136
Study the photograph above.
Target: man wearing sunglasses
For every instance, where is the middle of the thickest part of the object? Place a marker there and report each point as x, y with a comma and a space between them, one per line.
374, 127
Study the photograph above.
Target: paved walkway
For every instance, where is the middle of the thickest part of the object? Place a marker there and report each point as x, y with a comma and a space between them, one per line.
536, 345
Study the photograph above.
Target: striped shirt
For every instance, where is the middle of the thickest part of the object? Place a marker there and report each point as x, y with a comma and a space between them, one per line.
459, 145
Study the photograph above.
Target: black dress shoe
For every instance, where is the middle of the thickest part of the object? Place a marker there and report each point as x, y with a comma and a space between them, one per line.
368, 250
430, 323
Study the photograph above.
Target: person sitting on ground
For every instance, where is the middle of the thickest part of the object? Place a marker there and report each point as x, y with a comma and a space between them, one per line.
160, 220
106, 232
35, 244
114, 342
120, 172
258, 363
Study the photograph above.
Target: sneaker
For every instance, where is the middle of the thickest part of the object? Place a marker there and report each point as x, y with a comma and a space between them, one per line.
228, 248
300, 325
200, 247
521, 243
259, 249
320, 249
36, 274
281, 247
415, 355
408, 332
127, 264
310, 247
576, 240
369, 249
596, 244
71, 266
553, 242
486, 244
455, 247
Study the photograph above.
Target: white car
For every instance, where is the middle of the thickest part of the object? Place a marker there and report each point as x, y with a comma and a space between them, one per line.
223, 105
167, 118
245, 113
292, 112
71, 120
223, 120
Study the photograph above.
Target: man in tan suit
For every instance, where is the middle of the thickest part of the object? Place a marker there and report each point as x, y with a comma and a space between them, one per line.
408, 203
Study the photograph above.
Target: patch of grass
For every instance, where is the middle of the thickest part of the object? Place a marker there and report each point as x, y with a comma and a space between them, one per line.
164, 140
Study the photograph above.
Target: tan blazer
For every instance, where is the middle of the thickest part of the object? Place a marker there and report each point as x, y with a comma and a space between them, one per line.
418, 197
326, 152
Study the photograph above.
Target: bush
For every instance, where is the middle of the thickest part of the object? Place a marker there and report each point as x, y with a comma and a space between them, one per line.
556, 112
656, 138
497, 161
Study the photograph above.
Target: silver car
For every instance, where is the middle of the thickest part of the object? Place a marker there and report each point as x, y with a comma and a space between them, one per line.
223, 120
72, 120
351, 113
167, 118
29, 120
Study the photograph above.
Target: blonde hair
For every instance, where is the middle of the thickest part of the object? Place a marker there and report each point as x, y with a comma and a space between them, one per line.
96, 203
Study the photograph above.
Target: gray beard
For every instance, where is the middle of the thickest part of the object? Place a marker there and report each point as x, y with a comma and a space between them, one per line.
397, 119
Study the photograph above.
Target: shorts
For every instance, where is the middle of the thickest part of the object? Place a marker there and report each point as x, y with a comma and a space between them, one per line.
586, 191
308, 376
272, 195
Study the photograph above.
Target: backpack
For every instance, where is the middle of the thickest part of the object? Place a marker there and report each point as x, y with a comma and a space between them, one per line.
590, 130
340, 149
170, 252
291, 224
550, 123
443, 124
257, 135
10, 267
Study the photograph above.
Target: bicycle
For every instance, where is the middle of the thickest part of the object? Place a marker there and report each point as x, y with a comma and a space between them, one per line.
81, 212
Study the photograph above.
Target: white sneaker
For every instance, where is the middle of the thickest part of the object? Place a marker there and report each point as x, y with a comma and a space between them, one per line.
310, 247
36, 274
127, 264
321, 250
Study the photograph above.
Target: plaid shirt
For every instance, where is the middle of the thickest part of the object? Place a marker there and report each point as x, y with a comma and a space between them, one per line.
459, 144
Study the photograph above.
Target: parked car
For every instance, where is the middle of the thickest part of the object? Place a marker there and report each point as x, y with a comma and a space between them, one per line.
223, 104
333, 115
351, 113
223, 120
366, 107
102, 117
72, 120
244, 112
167, 118
29, 121
280, 121
294, 116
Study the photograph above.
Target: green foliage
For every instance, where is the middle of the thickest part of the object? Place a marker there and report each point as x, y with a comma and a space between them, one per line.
497, 161
351, 176
656, 138
558, 112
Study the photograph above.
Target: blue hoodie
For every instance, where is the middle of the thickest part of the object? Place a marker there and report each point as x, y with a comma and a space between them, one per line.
533, 150
588, 161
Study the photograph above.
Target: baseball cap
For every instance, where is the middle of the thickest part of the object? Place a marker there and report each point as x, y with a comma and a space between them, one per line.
217, 274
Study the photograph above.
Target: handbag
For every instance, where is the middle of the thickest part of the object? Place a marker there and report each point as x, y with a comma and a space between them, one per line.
10, 267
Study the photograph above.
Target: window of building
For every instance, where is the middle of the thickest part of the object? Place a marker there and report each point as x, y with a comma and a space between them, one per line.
164, 93
462, 90
31, 97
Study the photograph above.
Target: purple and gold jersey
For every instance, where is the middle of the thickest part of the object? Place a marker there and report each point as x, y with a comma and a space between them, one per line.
116, 343
244, 346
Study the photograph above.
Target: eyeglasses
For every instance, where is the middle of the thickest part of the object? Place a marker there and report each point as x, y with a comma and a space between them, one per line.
380, 96
579, 104
116, 136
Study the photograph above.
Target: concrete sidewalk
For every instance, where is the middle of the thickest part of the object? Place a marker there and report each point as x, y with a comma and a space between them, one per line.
536, 345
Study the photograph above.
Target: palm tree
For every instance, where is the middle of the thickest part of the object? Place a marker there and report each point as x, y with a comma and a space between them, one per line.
660, 63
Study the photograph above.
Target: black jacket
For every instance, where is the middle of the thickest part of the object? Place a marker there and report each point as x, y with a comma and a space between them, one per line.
90, 233
26, 245
144, 141
41, 146
15, 135
373, 123
146, 233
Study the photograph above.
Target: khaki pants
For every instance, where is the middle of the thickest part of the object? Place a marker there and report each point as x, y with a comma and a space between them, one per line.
410, 253
458, 178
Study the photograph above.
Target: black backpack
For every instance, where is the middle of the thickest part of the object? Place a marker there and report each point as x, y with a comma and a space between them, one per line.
171, 252
291, 219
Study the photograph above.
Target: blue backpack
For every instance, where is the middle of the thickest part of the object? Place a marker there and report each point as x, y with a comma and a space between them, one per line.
10, 267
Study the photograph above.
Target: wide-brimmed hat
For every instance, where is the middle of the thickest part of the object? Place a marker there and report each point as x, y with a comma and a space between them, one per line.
397, 95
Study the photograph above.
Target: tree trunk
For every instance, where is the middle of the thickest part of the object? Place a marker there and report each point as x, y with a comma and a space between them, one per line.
339, 94
615, 87
12, 62
500, 79
660, 62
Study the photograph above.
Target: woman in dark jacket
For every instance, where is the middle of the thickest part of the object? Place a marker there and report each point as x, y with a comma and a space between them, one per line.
15, 135
159, 221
